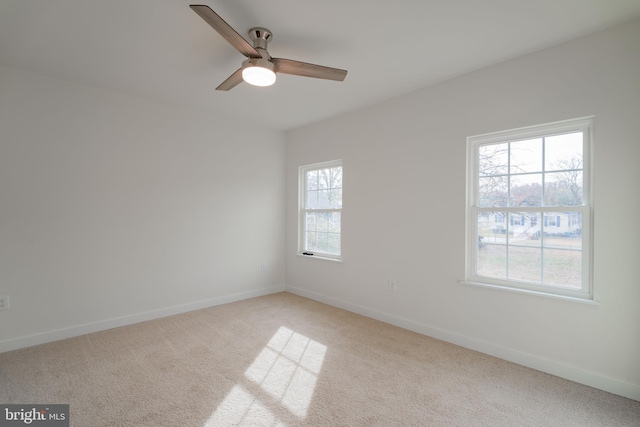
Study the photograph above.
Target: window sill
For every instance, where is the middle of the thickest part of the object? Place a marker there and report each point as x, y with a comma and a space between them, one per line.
531, 292
320, 258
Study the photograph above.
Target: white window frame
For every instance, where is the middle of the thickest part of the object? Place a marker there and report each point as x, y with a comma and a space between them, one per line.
303, 209
585, 125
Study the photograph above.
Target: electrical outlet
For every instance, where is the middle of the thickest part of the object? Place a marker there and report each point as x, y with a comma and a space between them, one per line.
4, 302
263, 266
393, 285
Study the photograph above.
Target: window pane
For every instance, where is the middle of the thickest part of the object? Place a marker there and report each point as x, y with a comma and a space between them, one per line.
492, 261
555, 241
328, 199
330, 178
491, 257
312, 180
562, 152
333, 222
484, 226
322, 223
328, 243
562, 268
324, 177
493, 159
492, 191
335, 198
333, 243
322, 243
492, 227
336, 177
561, 224
324, 189
323, 199
311, 223
526, 156
524, 228
563, 188
322, 231
525, 263
568, 234
311, 240
312, 199
526, 190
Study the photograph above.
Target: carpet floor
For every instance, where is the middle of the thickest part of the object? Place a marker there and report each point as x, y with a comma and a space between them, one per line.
284, 360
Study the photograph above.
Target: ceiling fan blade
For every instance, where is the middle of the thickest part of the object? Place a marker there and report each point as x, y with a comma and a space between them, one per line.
225, 30
232, 81
297, 68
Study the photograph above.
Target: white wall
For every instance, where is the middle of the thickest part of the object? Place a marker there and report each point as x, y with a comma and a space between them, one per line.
115, 209
404, 203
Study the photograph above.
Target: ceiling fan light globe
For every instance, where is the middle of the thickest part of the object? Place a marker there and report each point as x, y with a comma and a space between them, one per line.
258, 76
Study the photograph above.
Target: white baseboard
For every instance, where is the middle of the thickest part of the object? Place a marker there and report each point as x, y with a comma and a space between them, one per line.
74, 331
591, 379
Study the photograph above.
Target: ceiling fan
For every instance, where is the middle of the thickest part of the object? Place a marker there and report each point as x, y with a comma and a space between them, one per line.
260, 68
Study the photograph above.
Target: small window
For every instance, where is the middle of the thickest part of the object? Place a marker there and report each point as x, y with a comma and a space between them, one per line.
529, 208
321, 210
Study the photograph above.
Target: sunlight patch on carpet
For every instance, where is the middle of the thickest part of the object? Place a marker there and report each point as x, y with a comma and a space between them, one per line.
240, 407
287, 369
283, 375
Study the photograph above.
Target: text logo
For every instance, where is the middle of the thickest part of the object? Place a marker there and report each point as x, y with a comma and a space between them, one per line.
34, 415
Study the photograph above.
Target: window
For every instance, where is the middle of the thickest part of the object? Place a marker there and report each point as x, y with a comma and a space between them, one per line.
529, 209
321, 209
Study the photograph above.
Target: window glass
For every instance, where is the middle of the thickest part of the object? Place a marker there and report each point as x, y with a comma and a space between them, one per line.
529, 211
321, 209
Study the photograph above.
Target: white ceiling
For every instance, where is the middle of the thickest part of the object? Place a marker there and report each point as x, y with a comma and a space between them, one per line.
163, 51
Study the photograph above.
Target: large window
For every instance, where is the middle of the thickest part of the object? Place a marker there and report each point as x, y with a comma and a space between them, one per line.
321, 209
529, 208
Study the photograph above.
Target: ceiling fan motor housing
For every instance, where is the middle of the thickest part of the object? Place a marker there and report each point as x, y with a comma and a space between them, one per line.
260, 36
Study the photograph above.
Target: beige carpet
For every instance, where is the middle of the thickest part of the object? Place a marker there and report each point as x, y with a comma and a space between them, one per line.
283, 360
